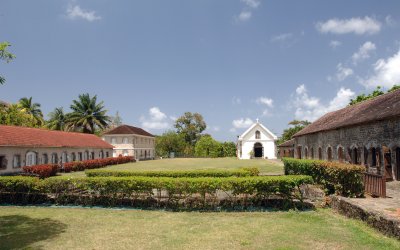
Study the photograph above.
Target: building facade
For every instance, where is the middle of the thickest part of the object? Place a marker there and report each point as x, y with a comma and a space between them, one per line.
367, 133
131, 141
256, 142
286, 149
21, 146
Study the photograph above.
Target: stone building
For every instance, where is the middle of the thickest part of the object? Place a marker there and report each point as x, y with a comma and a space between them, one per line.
286, 149
367, 133
21, 146
256, 142
131, 141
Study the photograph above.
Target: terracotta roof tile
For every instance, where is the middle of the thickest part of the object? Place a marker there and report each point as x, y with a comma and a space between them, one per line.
35, 137
288, 143
126, 130
380, 108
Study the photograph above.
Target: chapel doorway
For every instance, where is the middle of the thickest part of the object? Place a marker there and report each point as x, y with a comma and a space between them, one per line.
258, 150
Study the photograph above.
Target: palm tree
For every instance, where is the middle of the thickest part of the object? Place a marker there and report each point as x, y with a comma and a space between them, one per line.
57, 119
87, 115
33, 109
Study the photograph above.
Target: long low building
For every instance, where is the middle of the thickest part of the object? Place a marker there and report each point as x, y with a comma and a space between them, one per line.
22, 146
367, 133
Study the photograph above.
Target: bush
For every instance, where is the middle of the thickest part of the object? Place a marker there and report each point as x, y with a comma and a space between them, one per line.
97, 163
163, 191
176, 174
43, 171
339, 178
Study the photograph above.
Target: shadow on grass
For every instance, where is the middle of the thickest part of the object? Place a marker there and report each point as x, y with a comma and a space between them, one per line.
18, 231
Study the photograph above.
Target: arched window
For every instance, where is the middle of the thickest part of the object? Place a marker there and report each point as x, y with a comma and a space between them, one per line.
17, 161
64, 158
107, 154
258, 135
125, 141
86, 156
30, 158
101, 154
92, 155
299, 152
45, 159
125, 152
73, 155
113, 140
340, 154
319, 153
54, 158
312, 153
329, 151
306, 153
354, 156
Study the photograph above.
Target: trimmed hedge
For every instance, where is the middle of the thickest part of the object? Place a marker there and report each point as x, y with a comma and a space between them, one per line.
335, 177
43, 171
156, 192
97, 163
242, 172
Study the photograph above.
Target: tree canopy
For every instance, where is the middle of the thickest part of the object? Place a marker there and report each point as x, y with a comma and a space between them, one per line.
169, 142
190, 125
294, 127
377, 92
32, 108
6, 56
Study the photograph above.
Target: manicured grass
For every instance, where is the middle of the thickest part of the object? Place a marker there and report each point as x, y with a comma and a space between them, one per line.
92, 228
266, 166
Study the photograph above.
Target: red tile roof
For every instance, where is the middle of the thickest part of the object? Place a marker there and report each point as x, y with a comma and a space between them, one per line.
379, 108
288, 143
127, 130
35, 137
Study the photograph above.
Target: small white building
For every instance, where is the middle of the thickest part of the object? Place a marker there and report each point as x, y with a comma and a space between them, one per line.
257, 142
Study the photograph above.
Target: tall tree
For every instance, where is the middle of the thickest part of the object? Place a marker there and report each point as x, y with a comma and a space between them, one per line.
294, 127
57, 119
208, 147
12, 114
169, 142
87, 115
5, 56
31, 108
190, 125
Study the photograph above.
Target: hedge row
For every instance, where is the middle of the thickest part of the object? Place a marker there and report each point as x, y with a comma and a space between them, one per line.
339, 178
97, 163
242, 172
43, 171
162, 191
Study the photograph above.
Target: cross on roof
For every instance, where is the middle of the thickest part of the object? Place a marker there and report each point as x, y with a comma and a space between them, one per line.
257, 120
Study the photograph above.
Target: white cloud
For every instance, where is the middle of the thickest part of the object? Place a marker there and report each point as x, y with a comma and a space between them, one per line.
386, 72
246, 12
251, 3
343, 72
334, 44
156, 119
390, 21
363, 52
75, 12
242, 123
266, 101
311, 108
281, 37
356, 25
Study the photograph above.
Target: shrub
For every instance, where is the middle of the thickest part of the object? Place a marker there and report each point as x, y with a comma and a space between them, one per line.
162, 191
96, 163
176, 174
339, 178
43, 171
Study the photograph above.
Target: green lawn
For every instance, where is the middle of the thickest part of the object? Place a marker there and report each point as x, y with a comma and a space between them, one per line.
84, 228
266, 166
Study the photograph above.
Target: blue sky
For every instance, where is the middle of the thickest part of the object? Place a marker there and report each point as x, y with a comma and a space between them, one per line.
233, 61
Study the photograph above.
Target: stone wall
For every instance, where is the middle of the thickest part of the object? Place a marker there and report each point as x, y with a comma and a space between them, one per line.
366, 144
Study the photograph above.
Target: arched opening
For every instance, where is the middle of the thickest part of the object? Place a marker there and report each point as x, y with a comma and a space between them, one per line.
329, 151
312, 153
340, 154
64, 158
30, 159
258, 135
101, 154
125, 141
397, 169
54, 158
354, 156
319, 153
387, 160
125, 152
306, 153
373, 157
45, 159
73, 156
258, 150
299, 152
365, 156
92, 155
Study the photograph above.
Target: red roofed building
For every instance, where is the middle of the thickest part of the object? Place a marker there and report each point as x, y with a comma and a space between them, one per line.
131, 141
22, 146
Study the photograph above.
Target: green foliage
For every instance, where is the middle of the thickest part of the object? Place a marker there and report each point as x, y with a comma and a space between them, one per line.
179, 192
177, 173
339, 178
288, 133
395, 87
190, 125
363, 97
208, 147
31, 108
229, 149
87, 115
169, 142
13, 115
6, 56
57, 119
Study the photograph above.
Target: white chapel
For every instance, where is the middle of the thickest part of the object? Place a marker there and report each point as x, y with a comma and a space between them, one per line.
257, 142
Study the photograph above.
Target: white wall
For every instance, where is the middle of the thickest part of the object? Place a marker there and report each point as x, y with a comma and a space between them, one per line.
249, 139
